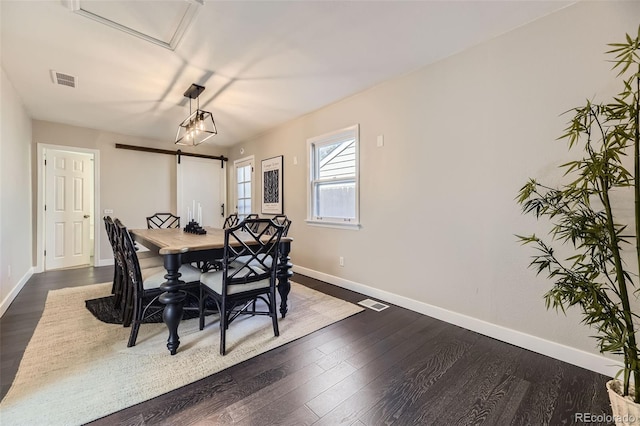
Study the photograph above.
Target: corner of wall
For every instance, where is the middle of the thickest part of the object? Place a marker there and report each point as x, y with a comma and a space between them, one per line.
4, 305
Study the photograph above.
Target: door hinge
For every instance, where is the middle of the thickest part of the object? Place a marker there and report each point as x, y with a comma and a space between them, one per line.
45, 252
45, 207
45, 161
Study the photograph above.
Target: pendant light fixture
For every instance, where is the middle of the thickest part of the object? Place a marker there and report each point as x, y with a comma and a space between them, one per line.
199, 125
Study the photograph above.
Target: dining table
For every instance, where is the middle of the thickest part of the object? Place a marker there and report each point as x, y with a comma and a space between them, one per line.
178, 247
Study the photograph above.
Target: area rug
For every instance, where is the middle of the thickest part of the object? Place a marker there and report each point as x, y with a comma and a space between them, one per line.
77, 369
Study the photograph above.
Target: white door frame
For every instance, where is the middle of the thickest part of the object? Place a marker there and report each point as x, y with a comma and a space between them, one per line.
40, 231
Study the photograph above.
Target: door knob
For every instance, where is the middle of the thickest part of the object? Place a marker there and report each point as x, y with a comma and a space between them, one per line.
86, 216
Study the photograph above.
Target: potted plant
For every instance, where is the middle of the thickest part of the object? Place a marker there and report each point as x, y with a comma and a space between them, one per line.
592, 217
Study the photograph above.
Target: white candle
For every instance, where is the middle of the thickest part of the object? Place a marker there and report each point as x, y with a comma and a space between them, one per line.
199, 214
194, 210
188, 214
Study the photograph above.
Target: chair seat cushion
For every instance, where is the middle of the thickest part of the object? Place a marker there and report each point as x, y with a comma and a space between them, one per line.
213, 280
154, 280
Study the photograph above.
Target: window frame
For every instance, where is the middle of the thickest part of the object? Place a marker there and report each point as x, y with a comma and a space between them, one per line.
313, 145
250, 162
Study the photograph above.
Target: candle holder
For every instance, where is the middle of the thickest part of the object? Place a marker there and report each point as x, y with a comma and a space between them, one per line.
194, 227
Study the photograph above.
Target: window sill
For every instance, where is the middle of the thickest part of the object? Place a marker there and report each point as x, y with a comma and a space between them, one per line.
339, 225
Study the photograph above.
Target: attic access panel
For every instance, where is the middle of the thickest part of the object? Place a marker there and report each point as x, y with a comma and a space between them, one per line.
159, 22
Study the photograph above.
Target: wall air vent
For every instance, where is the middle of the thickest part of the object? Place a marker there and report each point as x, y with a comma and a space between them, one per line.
63, 79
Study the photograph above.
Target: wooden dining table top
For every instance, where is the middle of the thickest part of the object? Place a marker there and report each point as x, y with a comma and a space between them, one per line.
175, 240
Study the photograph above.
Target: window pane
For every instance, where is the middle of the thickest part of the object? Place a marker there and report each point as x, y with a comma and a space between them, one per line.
336, 200
339, 162
242, 210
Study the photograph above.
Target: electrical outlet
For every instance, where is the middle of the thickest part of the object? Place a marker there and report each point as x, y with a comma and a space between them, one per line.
341, 260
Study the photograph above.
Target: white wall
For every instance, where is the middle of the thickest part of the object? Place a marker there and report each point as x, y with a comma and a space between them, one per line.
15, 197
437, 201
133, 184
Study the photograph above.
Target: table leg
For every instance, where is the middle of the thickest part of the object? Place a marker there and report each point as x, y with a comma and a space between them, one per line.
173, 298
283, 274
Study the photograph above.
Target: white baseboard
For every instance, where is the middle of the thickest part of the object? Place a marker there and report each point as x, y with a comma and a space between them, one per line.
14, 292
578, 357
104, 262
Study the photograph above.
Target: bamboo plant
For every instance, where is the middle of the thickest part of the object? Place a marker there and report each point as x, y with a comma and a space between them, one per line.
600, 275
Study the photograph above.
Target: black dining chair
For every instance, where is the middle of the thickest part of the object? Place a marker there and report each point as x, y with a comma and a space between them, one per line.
143, 291
163, 220
118, 263
244, 277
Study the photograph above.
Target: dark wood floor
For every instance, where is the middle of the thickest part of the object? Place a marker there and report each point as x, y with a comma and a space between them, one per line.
390, 367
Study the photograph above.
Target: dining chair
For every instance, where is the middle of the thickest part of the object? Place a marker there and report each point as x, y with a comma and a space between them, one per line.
143, 289
163, 220
244, 277
118, 264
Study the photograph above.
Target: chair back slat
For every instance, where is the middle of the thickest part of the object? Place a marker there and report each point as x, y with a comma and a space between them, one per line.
282, 219
250, 251
163, 220
112, 233
110, 229
128, 253
231, 220
252, 216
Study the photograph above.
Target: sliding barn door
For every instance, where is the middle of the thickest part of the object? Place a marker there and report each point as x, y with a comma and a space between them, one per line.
201, 188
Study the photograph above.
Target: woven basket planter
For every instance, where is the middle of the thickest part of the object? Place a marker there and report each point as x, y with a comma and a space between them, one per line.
625, 411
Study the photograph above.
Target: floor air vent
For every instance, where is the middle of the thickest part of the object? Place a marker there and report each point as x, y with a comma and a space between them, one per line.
63, 79
372, 304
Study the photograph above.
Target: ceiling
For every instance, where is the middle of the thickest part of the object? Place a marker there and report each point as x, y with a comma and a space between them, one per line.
263, 63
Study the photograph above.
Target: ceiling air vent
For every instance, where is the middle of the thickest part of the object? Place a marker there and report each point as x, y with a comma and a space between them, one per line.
63, 79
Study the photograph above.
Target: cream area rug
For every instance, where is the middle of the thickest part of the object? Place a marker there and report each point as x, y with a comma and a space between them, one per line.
77, 369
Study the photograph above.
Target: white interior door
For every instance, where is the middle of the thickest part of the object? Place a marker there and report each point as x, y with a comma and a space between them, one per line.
68, 205
201, 190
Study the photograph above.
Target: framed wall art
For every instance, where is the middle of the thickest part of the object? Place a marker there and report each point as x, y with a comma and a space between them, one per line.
272, 191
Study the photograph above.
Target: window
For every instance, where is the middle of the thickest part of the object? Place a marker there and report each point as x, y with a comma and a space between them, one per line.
333, 184
244, 175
